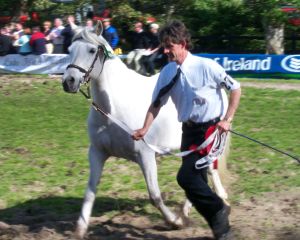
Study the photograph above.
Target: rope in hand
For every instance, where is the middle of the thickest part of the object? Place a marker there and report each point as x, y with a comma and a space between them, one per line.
217, 140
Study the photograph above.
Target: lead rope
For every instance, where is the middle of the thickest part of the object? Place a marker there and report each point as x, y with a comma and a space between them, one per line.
215, 152
216, 138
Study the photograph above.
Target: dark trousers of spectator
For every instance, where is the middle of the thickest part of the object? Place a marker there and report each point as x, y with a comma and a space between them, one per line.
58, 48
149, 63
194, 181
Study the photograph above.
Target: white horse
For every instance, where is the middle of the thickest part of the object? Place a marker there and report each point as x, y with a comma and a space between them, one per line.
125, 95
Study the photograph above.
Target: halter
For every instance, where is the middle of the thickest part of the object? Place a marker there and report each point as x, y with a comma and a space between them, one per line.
86, 77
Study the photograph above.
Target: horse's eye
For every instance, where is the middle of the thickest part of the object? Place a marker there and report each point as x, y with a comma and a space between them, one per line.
92, 50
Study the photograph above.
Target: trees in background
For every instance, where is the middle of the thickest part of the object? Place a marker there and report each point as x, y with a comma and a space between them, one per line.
240, 25
237, 25
273, 20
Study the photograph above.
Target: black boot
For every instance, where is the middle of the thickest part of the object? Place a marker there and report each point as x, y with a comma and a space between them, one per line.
220, 224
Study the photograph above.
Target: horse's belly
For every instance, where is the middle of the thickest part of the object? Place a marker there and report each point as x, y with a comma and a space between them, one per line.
166, 130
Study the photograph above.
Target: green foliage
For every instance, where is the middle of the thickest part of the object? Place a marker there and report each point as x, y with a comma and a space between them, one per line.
269, 11
212, 23
8, 5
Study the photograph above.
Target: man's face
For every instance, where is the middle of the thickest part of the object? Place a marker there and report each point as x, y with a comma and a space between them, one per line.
19, 26
175, 51
57, 22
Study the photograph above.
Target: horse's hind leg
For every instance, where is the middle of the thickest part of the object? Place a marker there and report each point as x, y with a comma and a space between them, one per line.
217, 184
186, 208
96, 159
149, 168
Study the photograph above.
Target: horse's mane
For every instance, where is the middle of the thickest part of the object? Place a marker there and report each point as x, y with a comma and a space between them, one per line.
91, 37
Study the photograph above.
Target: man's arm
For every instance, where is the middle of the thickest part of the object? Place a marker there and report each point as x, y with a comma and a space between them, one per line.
150, 116
234, 100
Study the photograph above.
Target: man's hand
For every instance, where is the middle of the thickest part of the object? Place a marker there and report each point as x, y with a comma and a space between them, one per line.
150, 116
223, 126
139, 134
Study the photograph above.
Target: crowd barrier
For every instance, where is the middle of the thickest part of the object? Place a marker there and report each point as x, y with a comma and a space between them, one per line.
243, 64
34, 64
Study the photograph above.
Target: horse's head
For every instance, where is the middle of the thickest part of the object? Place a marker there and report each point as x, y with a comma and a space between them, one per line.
88, 53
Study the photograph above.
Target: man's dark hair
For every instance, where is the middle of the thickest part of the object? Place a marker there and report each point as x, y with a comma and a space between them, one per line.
175, 32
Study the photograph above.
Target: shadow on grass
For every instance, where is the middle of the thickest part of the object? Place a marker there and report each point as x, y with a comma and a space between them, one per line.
62, 208
59, 215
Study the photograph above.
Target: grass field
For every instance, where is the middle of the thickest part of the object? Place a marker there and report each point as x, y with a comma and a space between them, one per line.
43, 149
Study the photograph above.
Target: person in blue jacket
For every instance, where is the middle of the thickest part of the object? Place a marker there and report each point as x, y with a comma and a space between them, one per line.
110, 33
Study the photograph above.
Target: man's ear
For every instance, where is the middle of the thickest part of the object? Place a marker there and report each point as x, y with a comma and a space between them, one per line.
183, 44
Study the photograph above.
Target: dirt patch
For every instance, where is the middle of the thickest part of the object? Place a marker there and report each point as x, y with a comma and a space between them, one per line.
272, 216
280, 86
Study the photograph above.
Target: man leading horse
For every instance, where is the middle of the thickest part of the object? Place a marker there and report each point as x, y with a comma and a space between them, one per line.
195, 86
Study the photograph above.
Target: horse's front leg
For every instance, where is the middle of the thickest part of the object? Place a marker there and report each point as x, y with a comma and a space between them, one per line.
96, 159
148, 165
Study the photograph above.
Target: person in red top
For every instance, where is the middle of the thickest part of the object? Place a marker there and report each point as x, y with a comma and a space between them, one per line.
37, 41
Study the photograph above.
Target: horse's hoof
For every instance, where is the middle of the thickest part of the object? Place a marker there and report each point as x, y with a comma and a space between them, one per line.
179, 222
80, 232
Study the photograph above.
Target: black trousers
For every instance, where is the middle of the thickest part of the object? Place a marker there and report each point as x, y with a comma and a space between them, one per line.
194, 181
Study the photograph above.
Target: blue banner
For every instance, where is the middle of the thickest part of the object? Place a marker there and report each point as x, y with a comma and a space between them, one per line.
257, 63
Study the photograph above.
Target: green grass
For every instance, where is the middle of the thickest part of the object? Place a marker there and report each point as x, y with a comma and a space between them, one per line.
270, 116
44, 143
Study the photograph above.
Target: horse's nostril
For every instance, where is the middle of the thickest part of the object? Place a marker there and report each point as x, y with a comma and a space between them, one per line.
65, 85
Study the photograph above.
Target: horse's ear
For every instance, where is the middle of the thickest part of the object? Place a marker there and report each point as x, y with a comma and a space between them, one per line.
99, 28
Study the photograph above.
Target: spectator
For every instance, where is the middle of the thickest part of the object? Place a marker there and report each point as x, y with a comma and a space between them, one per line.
56, 37
10, 27
37, 41
17, 33
68, 33
154, 50
110, 33
23, 42
90, 25
47, 29
140, 44
5, 42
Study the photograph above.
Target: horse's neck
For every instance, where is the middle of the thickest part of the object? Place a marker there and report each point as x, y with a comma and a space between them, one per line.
114, 85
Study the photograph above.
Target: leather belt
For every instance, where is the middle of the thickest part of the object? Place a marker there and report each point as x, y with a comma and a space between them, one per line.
191, 124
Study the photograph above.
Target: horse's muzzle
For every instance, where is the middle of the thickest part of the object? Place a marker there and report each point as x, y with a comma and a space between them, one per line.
69, 85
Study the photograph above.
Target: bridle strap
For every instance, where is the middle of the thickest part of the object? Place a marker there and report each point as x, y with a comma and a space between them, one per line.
93, 63
77, 67
86, 78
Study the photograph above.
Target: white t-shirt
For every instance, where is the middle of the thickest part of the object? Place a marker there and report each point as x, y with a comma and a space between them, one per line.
199, 93
55, 35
